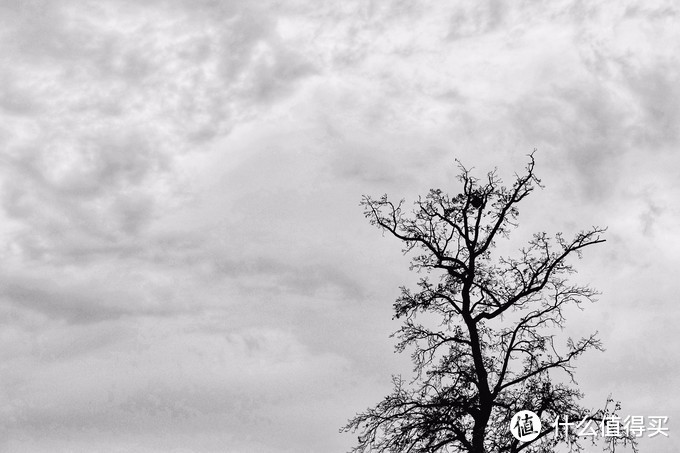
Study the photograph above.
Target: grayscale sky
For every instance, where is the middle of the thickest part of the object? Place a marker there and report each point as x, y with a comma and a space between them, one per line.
185, 266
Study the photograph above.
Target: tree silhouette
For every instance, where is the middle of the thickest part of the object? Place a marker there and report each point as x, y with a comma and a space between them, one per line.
484, 331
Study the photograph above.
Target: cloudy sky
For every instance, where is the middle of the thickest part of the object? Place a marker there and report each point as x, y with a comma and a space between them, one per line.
185, 267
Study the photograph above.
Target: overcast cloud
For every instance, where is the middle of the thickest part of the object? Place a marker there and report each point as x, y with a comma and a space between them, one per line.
185, 267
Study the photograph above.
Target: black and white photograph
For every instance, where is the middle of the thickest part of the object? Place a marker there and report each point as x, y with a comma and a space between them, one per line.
316, 226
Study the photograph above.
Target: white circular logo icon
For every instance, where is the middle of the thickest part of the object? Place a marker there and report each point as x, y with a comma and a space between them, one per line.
525, 426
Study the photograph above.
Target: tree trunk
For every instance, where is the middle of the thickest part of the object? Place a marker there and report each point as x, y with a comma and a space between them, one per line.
479, 430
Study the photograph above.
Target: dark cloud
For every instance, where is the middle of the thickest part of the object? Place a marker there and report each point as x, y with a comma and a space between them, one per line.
581, 126
477, 19
111, 104
78, 299
656, 90
233, 381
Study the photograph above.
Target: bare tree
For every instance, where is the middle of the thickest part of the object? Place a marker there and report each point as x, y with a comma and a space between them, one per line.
483, 332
